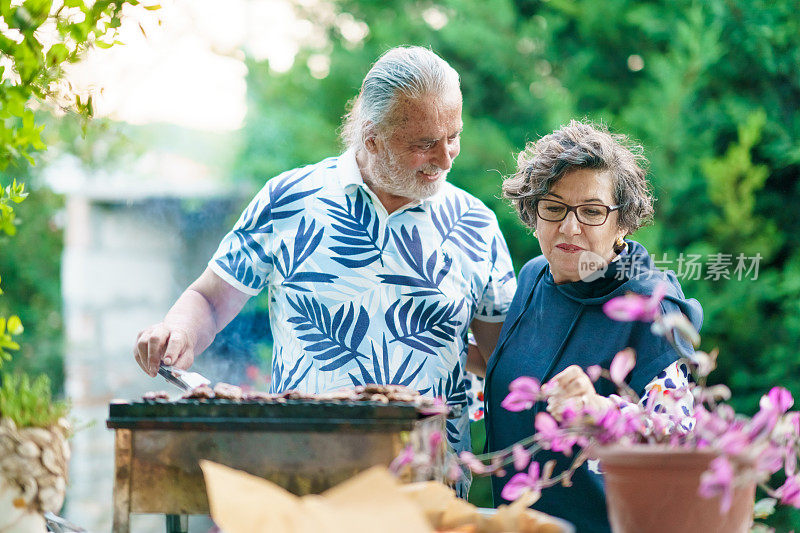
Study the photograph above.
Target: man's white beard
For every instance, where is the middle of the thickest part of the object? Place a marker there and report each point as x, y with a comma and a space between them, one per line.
390, 177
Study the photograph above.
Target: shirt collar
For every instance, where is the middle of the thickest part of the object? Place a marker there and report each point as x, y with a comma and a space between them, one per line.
349, 173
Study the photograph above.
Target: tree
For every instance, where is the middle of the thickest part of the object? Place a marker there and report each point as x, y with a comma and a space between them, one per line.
40, 39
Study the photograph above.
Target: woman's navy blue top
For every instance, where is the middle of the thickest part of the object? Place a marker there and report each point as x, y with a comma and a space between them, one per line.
550, 327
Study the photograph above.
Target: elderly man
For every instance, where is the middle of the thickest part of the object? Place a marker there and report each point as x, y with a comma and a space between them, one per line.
376, 266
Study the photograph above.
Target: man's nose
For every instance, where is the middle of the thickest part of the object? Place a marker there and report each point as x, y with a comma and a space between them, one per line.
444, 155
570, 224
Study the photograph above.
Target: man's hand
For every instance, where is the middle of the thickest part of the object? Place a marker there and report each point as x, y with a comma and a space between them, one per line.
207, 306
572, 388
160, 343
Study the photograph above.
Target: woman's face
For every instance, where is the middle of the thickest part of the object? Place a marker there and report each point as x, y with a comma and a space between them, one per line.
570, 246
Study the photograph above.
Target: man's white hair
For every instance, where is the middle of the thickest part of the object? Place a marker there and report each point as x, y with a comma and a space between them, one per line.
410, 71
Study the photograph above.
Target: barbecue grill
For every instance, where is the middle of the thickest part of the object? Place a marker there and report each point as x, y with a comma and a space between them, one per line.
304, 446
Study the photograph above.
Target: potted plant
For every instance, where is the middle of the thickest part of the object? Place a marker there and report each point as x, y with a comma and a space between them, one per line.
34, 453
696, 472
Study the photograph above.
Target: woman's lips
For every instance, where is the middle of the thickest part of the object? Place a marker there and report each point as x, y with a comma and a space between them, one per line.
569, 248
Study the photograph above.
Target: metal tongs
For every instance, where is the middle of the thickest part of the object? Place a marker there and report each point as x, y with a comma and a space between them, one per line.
183, 379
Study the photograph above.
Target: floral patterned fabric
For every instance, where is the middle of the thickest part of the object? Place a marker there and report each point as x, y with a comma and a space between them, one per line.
360, 296
668, 393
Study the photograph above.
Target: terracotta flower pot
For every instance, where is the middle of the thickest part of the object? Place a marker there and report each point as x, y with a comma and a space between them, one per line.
654, 489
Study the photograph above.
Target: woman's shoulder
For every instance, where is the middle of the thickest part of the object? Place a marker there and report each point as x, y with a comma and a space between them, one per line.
532, 268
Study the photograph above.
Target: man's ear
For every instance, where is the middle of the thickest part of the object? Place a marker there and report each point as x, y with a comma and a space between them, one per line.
369, 144
370, 136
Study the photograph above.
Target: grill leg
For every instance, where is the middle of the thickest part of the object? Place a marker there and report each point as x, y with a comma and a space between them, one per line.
123, 451
177, 523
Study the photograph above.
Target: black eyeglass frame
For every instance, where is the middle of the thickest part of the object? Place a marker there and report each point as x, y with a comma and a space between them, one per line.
574, 209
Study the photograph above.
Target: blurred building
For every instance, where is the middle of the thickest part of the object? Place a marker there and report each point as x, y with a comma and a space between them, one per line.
134, 239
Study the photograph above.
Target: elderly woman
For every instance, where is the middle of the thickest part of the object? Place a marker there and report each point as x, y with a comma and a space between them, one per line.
583, 191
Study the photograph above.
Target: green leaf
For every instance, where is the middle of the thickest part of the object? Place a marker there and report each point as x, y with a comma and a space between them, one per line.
57, 54
14, 325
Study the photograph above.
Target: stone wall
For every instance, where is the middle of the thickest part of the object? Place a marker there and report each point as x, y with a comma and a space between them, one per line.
125, 262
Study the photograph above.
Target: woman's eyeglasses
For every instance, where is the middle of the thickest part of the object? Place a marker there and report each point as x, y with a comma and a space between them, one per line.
589, 214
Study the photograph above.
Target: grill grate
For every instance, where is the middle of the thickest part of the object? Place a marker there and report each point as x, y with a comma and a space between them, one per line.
292, 415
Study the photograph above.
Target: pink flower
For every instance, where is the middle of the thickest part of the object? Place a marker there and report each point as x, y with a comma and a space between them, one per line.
790, 464
733, 442
718, 480
525, 384
517, 401
594, 372
772, 405
777, 399
677, 323
474, 464
551, 436
435, 441
437, 408
522, 482
522, 457
634, 306
454, 471
706, 362
622, 364
523, 394
793, 419
406, 457
789, 492
769, 460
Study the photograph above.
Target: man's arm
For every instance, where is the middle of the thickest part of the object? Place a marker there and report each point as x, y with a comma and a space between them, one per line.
486, 335
202, 311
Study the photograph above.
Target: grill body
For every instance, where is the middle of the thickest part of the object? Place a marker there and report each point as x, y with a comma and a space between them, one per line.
305, 447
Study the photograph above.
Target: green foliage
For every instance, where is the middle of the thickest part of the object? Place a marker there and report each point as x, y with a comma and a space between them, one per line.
31, 278
37, 62
29, 403
36, 41
7, 330
14, 193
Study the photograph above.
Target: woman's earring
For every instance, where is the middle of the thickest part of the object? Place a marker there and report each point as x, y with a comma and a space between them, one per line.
534, 234
620, 245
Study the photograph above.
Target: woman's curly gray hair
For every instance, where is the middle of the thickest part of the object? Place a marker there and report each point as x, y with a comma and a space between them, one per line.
582, 145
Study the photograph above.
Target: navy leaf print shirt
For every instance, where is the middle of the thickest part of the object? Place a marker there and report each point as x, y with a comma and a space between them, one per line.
360, 296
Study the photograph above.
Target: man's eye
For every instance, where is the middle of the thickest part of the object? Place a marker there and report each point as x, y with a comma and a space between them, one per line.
554, 209
454, 137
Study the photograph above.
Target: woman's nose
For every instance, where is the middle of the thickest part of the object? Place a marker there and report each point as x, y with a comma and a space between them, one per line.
570, 224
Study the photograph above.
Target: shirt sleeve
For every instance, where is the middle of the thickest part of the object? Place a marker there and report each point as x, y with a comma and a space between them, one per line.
502, 283
243, 258
668, 394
